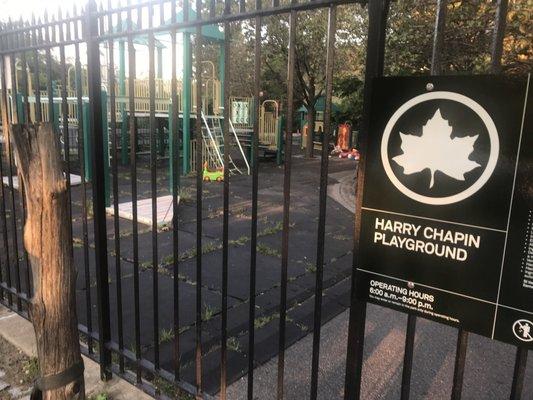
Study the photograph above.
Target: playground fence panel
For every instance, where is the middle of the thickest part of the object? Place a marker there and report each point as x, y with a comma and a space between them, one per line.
26, 98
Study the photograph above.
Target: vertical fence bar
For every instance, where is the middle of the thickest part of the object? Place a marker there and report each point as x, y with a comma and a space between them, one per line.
133, 171
519, 373
408, 356
185, 96
225, 222
6, 266
199, 177
330, 57
212, 8
174, 159
15, 119
3, 109
114, 183
5, 126
459, 368
438, 37
153, 181
496, 68
121, 25
139, 16
49, 81
37, 68
497, 39
81, 160
255, 191
24, 72
13, 77
26, 118
64, 114
377, 23
286, 202
98, 188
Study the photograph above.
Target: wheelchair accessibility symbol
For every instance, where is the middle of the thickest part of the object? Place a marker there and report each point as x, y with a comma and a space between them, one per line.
523, 330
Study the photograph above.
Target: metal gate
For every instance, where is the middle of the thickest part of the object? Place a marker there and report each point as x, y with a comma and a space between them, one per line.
92, 114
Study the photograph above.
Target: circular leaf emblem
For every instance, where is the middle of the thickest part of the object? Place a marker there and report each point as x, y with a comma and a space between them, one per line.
440, 148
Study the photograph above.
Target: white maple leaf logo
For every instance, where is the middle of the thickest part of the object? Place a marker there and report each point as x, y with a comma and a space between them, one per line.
437, 151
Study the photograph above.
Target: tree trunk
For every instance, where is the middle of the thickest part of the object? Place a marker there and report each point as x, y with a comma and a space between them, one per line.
309, 145
47, 241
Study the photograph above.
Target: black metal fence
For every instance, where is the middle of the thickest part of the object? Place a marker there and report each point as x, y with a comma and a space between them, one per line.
31, 44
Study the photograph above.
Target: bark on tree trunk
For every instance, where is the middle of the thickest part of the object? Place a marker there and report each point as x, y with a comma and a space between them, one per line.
309, 145
47, 241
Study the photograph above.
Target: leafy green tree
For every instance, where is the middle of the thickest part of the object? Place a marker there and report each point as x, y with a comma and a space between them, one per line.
466, 49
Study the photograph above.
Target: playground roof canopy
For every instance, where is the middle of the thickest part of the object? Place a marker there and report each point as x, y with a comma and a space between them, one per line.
208, 31
137, 39
320, 105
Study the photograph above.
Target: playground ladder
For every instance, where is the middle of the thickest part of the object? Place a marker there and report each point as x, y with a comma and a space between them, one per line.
213, 139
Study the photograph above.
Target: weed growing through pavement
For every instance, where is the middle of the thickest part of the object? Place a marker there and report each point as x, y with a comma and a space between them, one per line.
310, 267
166, 335
233, 344
267, 250
185, 195
261, 321
207, 313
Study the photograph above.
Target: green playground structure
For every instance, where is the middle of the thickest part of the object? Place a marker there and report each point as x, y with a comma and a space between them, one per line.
241, 109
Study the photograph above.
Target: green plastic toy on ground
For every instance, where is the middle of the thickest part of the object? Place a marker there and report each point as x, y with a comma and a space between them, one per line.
209, 176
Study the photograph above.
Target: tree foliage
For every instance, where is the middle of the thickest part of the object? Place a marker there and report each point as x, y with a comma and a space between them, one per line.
466, 48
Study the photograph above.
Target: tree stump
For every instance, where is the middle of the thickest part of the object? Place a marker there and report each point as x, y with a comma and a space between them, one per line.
48, 243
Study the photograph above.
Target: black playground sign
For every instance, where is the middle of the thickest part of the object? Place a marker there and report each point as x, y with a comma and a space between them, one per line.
447, 214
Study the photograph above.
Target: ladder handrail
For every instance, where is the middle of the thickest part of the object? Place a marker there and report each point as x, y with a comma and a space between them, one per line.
239, 144
215, 145
220, 118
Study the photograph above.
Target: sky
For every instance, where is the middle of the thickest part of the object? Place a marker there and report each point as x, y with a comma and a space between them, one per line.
24, 8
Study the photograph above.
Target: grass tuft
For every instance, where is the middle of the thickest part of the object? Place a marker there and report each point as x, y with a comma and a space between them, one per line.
31, 369
207, 313
233, 344
267, 250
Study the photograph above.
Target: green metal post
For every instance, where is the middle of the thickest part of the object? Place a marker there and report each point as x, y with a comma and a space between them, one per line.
20, 108
186, 99
251, 154
159, 62
279, 134
86, 144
